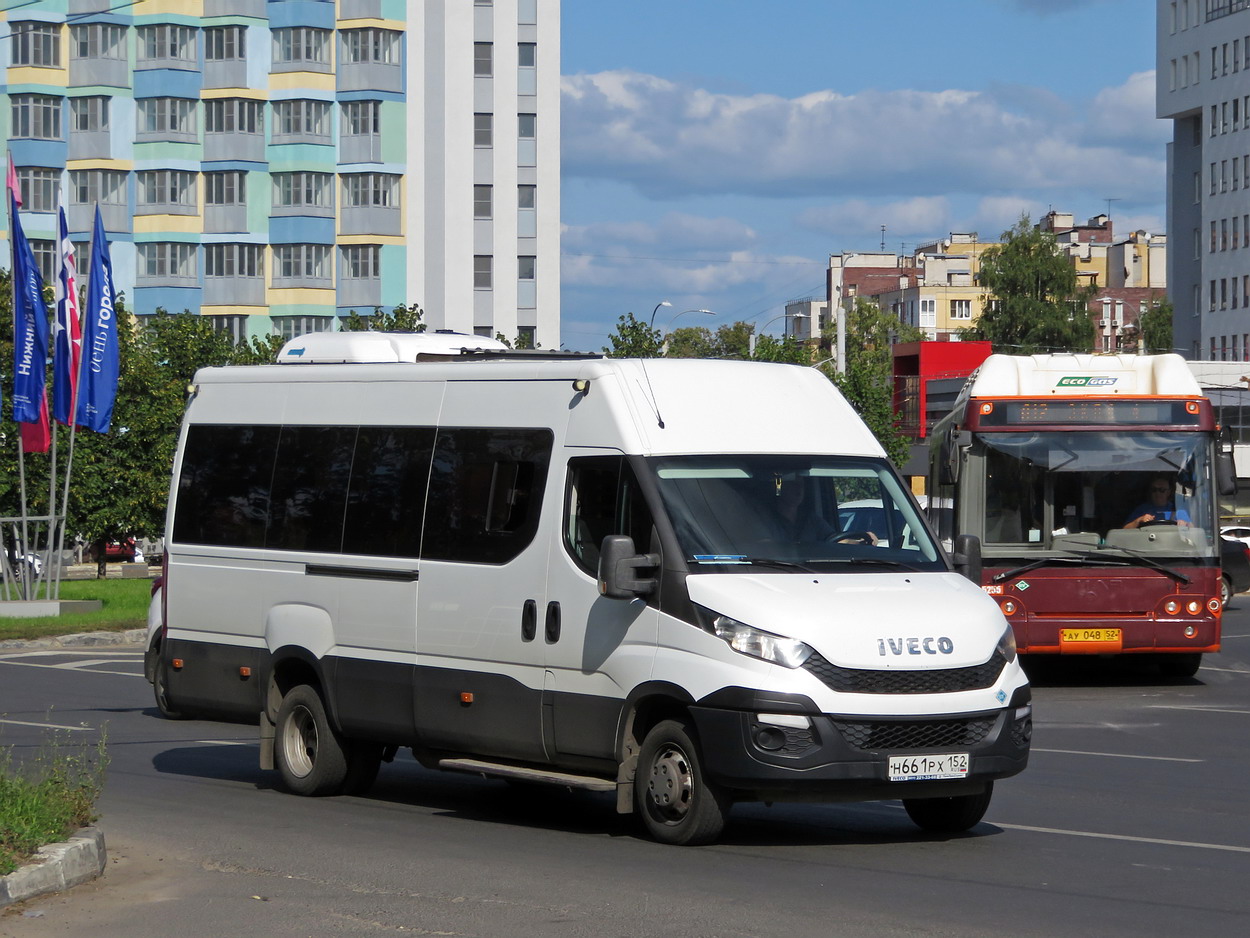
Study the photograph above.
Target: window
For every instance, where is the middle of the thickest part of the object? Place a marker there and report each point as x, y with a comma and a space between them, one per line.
481, 201
45, 258
361, 117
225, 43
301, 116
234, 260
362, 261
485, 493
603, 497
98, 41
89, 114
39, 188
225, 188
483, 59
961, 309
291, 326
37, 44
483, 130
371, 46
375, 190
301, 45
526, 196
301, 262
35, 115
166, 259
527, 54
165, 188
526, 265
89, 186
527, 126
167, 42
482, 264
302, 189
166, 116
234, 115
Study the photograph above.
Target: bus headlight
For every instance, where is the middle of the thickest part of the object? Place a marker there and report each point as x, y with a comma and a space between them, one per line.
1007, 645
742, 638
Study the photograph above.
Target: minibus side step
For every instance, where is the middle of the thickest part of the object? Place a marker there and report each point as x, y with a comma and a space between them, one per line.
544, 776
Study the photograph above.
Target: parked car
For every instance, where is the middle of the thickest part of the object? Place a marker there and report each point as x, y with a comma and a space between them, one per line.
1234, 568
1239, 532
124, 551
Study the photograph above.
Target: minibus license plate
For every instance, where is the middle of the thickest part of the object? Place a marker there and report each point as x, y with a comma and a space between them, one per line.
925, 768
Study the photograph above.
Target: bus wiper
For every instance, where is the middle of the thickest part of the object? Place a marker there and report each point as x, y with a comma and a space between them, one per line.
1151, 562
730, 559
1082, 560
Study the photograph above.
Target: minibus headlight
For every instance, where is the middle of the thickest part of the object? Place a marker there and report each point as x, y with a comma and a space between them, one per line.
1007, 645
787, 652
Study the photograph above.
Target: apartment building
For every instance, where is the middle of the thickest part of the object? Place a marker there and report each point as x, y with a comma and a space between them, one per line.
1202, 85
277, 164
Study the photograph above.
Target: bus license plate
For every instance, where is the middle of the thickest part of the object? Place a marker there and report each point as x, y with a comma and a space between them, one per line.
927, 768
1089, 635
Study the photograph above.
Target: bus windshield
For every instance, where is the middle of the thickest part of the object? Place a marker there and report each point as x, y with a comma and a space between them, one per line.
788, 513
1072, 490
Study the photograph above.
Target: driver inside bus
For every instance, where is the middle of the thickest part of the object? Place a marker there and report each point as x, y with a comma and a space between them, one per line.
1160, 505
803, 525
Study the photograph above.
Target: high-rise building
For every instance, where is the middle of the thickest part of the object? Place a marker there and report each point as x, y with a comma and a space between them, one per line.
1202, 84
277, 164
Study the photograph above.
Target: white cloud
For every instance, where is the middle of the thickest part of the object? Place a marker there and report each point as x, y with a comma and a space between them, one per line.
670, 140
1126, 114
910, 218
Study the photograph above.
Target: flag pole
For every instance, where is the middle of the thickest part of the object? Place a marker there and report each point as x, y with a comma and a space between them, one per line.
19, 550
76, 371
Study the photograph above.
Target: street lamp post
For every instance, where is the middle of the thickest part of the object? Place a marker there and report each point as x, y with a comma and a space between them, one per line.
657, 309
755, 335
669, 331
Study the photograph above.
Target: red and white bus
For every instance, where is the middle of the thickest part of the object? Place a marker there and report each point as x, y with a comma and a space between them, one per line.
1091, 483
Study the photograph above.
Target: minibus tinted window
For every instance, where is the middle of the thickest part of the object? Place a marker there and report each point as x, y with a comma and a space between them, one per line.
310, 488
485, 493
384, 504
223, 489
603, 498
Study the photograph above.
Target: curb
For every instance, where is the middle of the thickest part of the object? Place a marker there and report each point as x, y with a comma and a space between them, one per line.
57, 867
80, 640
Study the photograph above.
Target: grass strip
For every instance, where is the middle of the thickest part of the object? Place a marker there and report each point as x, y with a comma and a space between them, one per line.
125, 607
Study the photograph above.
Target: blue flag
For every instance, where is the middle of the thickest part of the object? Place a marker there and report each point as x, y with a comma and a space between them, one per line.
97, 388
30, 329
67, 334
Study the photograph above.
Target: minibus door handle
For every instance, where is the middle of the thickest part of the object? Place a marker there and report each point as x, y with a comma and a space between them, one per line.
529, 620
553, 622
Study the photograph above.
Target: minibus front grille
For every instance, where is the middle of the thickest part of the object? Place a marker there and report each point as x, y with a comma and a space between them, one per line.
905, 681
914, 734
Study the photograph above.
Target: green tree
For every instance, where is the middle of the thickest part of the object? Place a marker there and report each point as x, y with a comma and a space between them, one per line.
400, 319
1033, 302
787, 350
733, 340
634, 338
1156, 328
868, 382
691, 342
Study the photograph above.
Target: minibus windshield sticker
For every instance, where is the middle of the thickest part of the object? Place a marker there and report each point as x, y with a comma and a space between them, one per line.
721, 558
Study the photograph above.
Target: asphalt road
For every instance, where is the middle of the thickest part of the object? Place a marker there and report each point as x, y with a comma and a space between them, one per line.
1131, 820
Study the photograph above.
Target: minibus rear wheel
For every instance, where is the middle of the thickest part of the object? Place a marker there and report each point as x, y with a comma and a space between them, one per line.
309, 755
949, 815
677, 803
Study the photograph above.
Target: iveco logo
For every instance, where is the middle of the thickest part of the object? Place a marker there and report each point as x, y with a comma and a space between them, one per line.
915, 646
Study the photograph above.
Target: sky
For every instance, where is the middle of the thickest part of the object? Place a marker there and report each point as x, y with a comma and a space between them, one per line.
716, 152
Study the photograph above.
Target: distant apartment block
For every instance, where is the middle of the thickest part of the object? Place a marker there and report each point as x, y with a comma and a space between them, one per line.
1202, 85
277, 165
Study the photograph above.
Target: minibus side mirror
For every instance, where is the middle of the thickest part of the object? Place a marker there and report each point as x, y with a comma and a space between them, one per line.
967, 557
619, 564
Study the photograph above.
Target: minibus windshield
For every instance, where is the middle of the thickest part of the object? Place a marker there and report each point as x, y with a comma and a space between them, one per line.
787, 514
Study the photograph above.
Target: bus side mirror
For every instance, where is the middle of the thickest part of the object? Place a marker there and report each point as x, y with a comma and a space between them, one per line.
967, 557
1225, 466
948, 457
619, 564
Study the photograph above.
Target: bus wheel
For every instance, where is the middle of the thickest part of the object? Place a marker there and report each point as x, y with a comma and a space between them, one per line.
1181, 664
160, 692
677, 804
310, 757
949, 815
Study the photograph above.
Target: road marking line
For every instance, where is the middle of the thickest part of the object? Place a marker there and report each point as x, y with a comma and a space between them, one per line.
1136, 840
70, 667
1226, 670
1115, 755
48, 726
1197, 709
227, 742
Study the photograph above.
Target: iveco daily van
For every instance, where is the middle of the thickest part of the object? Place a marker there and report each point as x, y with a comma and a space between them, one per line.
620, 575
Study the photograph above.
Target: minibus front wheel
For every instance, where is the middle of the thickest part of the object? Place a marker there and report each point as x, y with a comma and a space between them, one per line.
949, 815
677, 803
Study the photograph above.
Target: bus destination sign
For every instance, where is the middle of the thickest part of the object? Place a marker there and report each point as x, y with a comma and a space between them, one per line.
1085, 412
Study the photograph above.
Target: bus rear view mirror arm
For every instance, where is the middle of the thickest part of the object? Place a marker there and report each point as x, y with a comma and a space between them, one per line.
967, 557
618, 568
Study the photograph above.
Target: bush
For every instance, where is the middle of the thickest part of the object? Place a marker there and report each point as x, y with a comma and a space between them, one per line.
47, 799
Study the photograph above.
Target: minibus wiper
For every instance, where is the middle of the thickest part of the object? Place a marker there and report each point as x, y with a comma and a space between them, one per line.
1151, 562
882, 562
730, 559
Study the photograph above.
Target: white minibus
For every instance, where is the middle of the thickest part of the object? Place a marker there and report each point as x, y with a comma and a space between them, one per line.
625, 575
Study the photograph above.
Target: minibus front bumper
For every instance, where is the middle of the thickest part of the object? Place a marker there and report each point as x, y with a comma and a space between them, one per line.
815, 757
